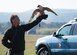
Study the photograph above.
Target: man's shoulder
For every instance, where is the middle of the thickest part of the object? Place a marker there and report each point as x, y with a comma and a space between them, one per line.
8, 30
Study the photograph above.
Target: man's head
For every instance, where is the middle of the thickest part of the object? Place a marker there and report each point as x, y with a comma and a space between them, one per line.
15, 21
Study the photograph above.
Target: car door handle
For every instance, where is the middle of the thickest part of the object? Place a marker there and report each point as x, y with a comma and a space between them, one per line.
65, 39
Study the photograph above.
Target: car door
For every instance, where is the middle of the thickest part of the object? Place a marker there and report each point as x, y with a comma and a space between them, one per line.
73, 40
65, 34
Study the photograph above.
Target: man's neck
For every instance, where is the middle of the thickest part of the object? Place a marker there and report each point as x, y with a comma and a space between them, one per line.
15, 26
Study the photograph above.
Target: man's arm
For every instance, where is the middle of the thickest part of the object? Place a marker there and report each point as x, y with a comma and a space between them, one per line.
48, 9
5, 40
34, 23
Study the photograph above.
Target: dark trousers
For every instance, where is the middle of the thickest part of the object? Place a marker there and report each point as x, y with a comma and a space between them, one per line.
18, 53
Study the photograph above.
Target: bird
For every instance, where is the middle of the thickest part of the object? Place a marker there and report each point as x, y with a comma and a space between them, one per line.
40, 11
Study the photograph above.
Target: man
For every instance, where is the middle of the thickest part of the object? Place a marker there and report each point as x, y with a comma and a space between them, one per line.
14, 38
40, 11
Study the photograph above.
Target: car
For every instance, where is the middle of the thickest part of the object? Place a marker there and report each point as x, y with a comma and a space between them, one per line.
61, 42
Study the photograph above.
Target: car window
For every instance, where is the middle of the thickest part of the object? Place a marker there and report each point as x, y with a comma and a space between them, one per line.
65, 30
75, 30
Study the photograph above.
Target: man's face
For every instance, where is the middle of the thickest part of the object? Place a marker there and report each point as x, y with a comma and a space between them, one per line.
15, 22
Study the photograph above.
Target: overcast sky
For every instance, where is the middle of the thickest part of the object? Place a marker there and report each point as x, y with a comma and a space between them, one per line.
24, 5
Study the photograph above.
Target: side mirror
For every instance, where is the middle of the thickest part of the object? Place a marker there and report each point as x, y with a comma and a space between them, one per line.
54, 34
57, 35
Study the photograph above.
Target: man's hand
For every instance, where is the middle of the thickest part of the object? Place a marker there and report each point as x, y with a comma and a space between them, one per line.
43, 16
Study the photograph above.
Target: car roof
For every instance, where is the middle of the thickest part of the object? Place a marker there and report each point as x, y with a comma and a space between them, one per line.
74, 21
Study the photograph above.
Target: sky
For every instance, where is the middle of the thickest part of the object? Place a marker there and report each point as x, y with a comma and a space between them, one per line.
24, 5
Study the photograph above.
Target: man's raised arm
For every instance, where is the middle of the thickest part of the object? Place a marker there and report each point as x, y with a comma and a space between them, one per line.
34, 23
